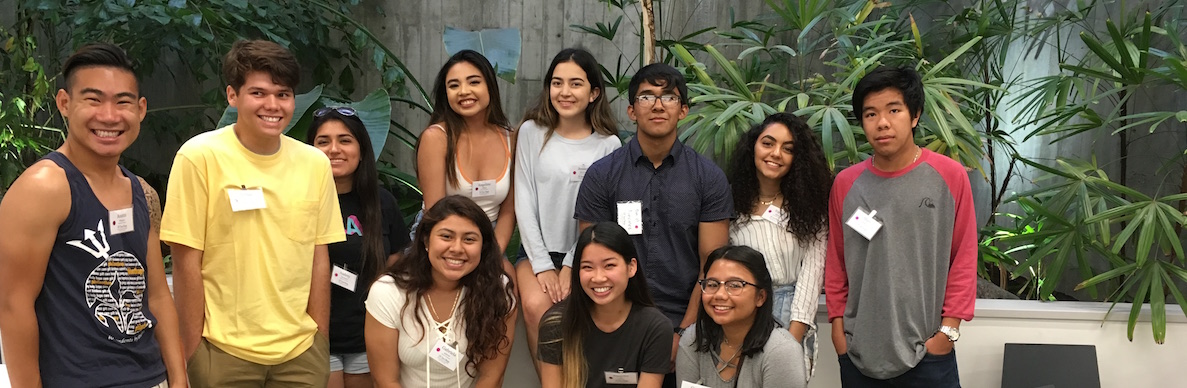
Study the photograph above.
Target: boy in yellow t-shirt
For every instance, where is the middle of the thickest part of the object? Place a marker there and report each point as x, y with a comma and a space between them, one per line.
249, 214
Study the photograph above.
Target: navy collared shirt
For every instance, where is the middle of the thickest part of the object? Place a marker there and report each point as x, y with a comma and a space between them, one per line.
686, 190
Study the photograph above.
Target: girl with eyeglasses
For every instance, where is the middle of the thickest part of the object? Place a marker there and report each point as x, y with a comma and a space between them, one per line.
570, 127
736, 341
444, 315
468, 148
781, 184
375, 233
607, 332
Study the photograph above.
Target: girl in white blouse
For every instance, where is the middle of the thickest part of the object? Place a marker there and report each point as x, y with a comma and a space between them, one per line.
781, 184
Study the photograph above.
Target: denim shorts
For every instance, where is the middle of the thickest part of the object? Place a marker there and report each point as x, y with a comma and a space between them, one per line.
350, 363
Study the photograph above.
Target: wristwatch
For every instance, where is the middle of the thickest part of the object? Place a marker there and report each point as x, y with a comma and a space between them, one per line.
679, 330
952, 333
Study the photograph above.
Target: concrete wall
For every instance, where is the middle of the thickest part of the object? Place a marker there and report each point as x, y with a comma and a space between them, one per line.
413, 30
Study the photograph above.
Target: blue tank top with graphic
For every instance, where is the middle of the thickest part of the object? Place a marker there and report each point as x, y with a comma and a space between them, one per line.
95, 326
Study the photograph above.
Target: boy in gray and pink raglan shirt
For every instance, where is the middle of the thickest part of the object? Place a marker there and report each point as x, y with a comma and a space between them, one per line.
900, 272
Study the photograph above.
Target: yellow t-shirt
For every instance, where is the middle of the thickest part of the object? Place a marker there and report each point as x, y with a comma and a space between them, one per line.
257, 264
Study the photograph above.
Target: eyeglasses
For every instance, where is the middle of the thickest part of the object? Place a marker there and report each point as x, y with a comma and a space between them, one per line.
342, 110
648, 99
732, 287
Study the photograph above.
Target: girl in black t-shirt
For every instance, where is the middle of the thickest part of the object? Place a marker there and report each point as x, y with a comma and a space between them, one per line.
375, 233
607, 331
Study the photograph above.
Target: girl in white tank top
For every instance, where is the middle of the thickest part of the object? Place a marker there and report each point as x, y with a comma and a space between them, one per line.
468, 148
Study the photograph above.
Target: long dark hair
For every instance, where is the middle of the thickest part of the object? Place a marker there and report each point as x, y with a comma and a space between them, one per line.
366, 186
455, 124
597, 114
805, 188
709, 333
488, 298
575, 320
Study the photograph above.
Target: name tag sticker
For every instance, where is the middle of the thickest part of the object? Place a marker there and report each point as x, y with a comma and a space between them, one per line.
444, 354
687, 384
577, 173
483, 189
246, 199
622, 378
630, 216
121, 221
865, 224
342, 277
774, 214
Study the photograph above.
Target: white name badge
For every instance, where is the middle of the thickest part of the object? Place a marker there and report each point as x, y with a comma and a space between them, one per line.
622, 378
483, 189
342, 277
630, 216
863, 223
246, 199
121, 221
774, 214
687, 384
444, 354
577, 173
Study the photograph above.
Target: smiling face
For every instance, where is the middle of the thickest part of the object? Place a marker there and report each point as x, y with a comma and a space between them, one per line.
103, 110
773, 152
455, 248
570, 91
264, 107
604, 274
335, 139
726, 309
887, 123
467, 90
656, 120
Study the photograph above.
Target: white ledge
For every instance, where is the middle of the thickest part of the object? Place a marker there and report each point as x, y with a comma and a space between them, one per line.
1040, 310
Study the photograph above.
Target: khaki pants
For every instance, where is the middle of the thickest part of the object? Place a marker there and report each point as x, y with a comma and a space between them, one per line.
212, 367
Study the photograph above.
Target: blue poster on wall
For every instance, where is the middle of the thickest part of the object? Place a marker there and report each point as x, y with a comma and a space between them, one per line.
500, 46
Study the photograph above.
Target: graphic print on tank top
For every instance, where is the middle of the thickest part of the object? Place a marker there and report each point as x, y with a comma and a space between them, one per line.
115, 288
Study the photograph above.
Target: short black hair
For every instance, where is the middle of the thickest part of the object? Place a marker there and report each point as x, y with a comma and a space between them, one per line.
905, 79
97, 54
662, 75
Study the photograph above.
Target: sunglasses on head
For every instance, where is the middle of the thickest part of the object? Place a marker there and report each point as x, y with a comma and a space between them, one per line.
342, 110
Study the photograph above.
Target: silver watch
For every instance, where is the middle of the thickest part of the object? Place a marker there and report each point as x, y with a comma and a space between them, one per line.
952, 333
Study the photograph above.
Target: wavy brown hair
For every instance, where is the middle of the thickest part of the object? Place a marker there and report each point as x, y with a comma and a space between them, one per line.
598, 114
489, 298
805, 188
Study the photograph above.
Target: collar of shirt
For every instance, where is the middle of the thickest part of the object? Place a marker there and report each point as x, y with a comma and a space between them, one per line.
635, 152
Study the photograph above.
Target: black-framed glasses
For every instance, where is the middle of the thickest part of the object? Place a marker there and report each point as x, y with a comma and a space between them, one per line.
650, 99
342, 110
732, 287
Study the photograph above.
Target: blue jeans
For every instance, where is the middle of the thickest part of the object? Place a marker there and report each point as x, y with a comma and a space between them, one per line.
932, 372
781, 303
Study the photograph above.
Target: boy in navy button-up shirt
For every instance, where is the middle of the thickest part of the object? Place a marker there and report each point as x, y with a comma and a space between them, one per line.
684, 200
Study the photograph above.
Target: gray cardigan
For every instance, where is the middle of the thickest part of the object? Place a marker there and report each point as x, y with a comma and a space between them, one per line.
779, 365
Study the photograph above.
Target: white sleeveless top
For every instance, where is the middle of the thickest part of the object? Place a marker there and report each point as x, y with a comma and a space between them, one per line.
491, 203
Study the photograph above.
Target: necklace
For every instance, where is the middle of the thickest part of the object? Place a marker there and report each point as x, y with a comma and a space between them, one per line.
770, 202
433, 308
918, 151
727, 363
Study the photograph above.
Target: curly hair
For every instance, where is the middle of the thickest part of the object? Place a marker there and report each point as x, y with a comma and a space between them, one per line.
489, 298
805, 188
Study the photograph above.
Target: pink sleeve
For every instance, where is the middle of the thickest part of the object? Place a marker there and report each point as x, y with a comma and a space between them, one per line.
960, 295
836, 281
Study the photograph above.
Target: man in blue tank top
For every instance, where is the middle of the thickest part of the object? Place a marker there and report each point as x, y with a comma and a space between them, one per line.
83, 296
